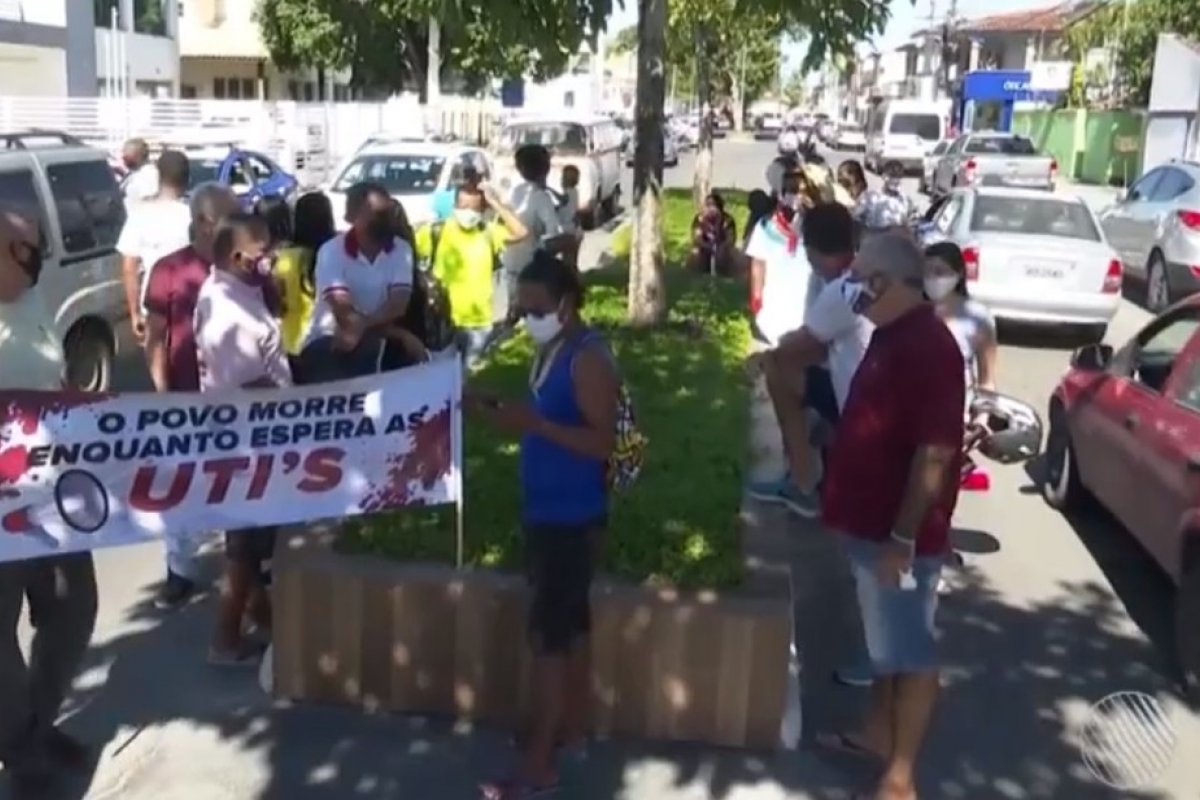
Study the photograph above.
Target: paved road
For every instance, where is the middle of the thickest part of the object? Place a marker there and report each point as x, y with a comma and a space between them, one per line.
1048, 616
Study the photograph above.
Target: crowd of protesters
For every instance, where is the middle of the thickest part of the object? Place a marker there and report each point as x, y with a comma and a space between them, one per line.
869, 348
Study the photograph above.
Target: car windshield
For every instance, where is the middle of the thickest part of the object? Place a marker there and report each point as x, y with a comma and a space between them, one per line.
1001, 145
1034, 216
207, 170
564, 138
923, 126
941, 148
399, 173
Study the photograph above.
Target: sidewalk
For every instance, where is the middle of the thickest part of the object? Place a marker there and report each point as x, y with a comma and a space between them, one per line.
1098, 198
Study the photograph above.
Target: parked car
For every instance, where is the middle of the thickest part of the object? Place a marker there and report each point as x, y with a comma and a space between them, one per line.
850, 136
670, 151
931, 162
1032, 256
250, 174
994, 159
904, 131
1155, 227
1125, 433
827, 131
69, 189
412, 172
768, 127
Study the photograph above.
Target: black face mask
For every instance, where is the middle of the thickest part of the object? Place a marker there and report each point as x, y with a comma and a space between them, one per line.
29, 259
381, 227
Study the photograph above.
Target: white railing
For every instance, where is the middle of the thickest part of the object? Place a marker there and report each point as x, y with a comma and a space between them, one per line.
310, 138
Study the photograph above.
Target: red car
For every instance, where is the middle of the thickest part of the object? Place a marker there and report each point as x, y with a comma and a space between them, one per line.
1125, 432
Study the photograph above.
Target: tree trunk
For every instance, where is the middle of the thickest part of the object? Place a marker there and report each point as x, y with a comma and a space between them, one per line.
647, 300
702, 180
738, 90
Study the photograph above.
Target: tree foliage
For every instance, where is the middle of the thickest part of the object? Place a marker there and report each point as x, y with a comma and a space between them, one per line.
1134, 38
384, 43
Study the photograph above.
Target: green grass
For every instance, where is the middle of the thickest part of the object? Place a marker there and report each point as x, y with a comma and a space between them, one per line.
678, 525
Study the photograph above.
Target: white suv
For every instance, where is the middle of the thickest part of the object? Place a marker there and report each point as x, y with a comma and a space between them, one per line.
69, 188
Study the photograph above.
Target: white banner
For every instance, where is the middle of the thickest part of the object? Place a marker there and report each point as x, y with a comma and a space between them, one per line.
84, 471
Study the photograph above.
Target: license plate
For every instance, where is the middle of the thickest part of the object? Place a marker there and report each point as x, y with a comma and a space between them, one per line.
1045, 270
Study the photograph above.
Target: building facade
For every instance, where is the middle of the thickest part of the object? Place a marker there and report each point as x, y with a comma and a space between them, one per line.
222, 57
47, 48
136, 47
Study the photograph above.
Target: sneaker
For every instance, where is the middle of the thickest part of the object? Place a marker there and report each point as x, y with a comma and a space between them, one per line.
806, 504
859, 677
175, 593
770, 491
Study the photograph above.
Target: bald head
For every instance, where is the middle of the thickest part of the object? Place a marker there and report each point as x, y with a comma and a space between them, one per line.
210, 203
20, 253
135, 153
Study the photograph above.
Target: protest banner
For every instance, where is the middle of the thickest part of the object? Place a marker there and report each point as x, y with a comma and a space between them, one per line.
84, 471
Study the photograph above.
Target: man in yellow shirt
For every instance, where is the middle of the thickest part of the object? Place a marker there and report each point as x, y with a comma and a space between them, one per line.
462, 255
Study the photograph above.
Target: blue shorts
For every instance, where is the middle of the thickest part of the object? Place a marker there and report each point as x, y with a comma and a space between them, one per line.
897, 623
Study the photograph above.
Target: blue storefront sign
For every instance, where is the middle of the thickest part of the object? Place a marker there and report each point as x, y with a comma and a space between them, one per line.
1002, 86
512, 93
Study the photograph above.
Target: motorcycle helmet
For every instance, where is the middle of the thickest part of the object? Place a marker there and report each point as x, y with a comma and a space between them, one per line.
789, 143
1014, 429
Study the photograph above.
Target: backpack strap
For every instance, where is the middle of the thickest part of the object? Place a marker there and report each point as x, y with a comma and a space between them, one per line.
435, 236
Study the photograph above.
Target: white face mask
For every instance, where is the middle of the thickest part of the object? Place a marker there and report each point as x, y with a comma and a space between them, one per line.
939, 287
468, 218
892, 186
544, 327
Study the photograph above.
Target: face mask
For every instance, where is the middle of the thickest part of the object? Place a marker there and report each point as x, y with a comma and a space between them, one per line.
542, 328
380, 226
29, 259
939, 287
858, 295
468, 218
892, 186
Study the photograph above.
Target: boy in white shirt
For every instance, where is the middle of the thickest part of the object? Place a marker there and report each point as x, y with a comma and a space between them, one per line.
239, 346
538, 212
568, 214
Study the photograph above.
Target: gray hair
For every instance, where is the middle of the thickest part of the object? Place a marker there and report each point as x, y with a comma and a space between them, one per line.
894, 255
205, 198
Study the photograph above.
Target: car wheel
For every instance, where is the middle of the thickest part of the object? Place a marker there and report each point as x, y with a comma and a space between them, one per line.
612, 203
90, 355
1061, 486
1187, 622
1158, 286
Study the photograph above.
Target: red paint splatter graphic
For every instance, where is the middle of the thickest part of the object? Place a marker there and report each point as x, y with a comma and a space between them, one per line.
29, 408
12, 464
427, 461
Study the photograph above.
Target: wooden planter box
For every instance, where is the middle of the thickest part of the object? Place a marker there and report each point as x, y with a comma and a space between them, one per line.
420, 638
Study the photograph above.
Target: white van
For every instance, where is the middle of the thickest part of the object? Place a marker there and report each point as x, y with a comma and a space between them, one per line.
904, 131
593, 144
70, 190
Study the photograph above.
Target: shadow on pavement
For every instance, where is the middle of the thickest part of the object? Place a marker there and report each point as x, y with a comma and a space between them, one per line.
1016, 673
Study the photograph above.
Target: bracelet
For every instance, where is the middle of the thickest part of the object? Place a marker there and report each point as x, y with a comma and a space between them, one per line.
909, 543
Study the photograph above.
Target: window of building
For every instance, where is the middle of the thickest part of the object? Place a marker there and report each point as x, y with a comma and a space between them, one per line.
310, 91
150, 17
187, 92
233, 89
219, 88
248, 90
90, 209
294, 90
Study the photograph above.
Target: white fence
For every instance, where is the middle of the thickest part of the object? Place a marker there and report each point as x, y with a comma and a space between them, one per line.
309, 138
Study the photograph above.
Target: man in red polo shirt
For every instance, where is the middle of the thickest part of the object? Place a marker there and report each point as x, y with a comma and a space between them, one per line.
172, 291
890, 488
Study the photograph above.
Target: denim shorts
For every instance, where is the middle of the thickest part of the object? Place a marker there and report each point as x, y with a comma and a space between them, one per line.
897, 623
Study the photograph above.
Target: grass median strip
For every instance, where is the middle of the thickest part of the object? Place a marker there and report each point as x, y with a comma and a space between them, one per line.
678, 525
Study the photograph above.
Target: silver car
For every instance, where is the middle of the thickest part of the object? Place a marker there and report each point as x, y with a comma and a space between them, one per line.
1031, 256
931, 162
1155, 228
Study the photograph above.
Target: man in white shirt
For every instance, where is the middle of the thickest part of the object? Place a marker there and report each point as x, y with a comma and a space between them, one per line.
141, 177
364, 280
538, 212
61, 590
154, 229
239, 346
811, 366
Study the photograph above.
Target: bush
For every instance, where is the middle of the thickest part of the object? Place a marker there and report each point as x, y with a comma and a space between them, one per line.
679, 523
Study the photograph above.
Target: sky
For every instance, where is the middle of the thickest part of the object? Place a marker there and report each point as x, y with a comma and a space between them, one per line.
905, 19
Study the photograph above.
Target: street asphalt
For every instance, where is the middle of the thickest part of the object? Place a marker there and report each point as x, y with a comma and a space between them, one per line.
1048, 616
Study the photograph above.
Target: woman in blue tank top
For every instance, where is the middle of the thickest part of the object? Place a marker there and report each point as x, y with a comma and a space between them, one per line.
567, 429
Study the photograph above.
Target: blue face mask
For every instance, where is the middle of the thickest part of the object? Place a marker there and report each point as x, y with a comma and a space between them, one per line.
857, 294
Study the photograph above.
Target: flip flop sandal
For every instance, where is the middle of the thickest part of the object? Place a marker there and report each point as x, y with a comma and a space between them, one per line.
247, 655
843, 744
516, 789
